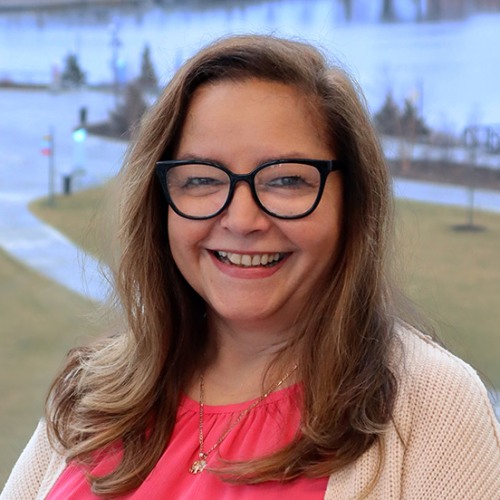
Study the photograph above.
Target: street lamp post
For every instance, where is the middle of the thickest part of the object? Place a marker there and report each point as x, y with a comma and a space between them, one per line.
115, 47
48, 151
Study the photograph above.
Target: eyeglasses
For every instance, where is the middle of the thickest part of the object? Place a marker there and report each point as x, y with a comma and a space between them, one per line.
286, 188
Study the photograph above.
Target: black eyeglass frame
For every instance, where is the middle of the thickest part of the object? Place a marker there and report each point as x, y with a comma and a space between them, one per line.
323, 166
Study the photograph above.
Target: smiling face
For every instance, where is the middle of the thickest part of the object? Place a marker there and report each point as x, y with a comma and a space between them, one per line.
252, 269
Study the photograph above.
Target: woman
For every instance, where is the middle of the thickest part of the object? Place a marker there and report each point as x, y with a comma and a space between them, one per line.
265, 352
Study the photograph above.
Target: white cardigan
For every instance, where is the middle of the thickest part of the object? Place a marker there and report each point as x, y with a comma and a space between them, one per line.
442, 413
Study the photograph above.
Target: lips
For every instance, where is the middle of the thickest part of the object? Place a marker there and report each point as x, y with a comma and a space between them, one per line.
249, 260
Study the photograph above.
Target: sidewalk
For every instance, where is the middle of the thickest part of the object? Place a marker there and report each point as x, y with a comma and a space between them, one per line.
45, 250
443, 194
26, 116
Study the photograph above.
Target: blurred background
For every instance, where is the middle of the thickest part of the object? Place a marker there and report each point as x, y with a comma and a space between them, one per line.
76, 75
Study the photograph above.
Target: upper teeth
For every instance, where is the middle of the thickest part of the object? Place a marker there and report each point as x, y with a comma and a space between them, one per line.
248, 260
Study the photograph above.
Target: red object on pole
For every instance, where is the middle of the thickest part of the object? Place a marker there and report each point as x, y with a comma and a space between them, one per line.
47, 143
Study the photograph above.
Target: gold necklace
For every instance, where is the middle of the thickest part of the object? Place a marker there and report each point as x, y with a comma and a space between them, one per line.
200, 464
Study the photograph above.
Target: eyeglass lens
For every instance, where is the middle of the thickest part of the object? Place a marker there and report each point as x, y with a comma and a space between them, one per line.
284, 189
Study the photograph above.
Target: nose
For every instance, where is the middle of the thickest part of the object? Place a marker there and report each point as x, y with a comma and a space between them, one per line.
243, 215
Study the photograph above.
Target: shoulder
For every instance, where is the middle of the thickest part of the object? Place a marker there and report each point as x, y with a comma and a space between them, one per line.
36, 470
444, 417
443, 440
428, 374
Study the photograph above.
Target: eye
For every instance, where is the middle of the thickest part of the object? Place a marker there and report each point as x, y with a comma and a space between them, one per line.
296, 178
196, 179
291, 181
200, 182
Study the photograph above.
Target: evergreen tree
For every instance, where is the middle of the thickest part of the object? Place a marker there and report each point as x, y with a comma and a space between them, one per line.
390, 120
412, 125
147, 79
348, 9
434, 10
388, 12
127, 115
72, 75
387, 119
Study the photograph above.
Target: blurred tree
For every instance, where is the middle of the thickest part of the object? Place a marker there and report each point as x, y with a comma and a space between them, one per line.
390, 120
147, 79
348, 9
419, 7
438, 10
387, 119
412, 125
128, 114
72, 75
388, 12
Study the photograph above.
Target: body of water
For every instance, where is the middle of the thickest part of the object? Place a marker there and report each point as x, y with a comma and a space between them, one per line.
450, 69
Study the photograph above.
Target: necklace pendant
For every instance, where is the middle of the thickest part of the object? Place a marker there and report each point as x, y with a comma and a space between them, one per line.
199, 465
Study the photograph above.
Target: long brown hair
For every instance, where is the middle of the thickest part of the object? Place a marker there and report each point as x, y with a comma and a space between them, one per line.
126, 388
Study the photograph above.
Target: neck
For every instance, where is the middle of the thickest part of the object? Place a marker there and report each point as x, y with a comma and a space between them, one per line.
238, 362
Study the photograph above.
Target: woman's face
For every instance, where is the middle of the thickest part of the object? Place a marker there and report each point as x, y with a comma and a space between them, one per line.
240, 125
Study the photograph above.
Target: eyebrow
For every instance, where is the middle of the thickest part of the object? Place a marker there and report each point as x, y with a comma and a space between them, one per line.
261, 160
190, 156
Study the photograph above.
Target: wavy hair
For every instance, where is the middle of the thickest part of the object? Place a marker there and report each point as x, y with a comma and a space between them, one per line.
125, 388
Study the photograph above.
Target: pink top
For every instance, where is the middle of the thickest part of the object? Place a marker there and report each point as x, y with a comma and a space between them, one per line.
269, 426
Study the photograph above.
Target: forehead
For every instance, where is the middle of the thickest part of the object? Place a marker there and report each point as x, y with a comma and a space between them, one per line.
252, 114
257, 90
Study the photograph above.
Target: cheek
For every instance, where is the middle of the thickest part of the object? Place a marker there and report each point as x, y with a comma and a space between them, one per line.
181, 248
325, 241
185, 238
180, 239
174, 233
317, 241
330, 209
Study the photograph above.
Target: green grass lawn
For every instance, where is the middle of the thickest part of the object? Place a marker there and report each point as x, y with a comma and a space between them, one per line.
77, 216
40, 321
454, 276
